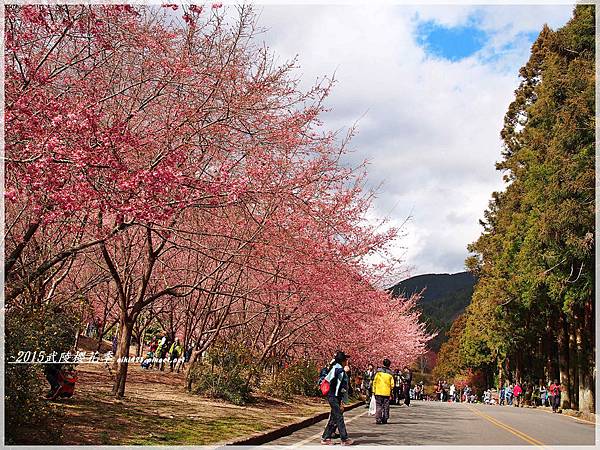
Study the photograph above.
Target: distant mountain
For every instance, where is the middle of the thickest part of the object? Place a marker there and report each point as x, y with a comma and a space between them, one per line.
444, 298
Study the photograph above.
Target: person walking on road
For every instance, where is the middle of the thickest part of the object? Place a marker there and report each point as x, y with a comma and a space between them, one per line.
383, 386
397, 391
406, 385
337, 388
555, 393
367, 382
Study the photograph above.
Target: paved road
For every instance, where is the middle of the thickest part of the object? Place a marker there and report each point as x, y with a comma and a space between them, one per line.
434, 423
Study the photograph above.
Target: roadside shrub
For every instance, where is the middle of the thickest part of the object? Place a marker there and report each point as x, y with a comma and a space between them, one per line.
35, 330
299, 378
223, 373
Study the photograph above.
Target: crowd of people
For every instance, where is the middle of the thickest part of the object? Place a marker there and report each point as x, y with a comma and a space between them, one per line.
517, 394
530, 394
163, 351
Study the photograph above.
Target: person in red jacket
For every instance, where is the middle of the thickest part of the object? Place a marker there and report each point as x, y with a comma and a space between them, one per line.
555, 393
517, 391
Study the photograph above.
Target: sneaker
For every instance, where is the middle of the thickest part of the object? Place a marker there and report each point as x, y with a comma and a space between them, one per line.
326, 442
348, 442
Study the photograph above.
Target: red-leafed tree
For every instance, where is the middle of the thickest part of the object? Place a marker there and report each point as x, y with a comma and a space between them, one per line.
187, 179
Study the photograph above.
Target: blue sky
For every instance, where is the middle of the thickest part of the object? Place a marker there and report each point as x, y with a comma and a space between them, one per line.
427, 87
452, 43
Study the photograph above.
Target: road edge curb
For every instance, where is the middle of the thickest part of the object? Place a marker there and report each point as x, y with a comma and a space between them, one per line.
263, 438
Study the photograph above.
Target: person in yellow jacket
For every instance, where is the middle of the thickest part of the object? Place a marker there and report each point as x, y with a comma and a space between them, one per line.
383, 386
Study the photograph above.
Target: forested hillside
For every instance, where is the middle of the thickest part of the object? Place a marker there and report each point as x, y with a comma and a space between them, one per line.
443, 298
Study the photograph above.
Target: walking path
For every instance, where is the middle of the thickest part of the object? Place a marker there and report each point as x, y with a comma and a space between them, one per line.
435, 423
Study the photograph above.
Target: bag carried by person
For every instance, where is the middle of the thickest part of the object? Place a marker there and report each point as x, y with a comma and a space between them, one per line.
324, 388
325, 382
372, 406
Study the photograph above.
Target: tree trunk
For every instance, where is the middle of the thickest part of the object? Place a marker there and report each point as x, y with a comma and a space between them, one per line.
563, 361
122, 355
549, 349
191, 363
574, 363
77, 334
586, 352
142, 339
500, 374
138, 344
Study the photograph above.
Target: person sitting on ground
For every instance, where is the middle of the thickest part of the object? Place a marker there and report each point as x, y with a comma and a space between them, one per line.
383, 385
487, 396
52, 376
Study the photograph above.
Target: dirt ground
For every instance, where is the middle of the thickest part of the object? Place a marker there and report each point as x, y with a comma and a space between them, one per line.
157, 410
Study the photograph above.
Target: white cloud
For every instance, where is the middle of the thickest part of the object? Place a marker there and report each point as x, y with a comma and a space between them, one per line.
430, 127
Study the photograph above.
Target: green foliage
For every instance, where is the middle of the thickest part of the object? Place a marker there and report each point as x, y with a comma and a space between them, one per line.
535, 258
223, 373
299, 378
36, 330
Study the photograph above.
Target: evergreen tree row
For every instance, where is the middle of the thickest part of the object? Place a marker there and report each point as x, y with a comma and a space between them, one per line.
531, 317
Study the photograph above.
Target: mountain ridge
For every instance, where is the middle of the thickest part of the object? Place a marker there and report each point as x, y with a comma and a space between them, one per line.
444, 296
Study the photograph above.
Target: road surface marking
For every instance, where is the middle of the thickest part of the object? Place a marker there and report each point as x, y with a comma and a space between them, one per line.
518, 433
572, 417
315, 436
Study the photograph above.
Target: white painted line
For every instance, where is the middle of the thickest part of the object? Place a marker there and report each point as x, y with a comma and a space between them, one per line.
315, 436
572, 417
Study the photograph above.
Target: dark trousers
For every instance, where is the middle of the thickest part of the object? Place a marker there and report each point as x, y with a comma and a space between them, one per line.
555, 402
382, 413
369, 394
397, 395
336, 420
407, 394
51, 373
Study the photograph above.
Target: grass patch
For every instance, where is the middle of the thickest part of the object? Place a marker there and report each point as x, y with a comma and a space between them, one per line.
197, 432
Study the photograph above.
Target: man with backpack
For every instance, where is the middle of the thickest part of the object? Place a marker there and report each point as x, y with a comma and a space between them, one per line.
335, 387
383, 386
